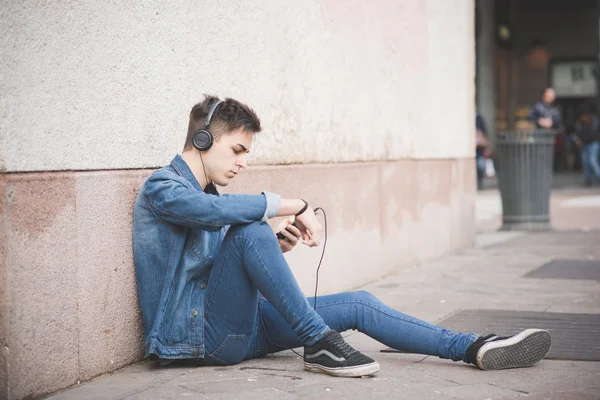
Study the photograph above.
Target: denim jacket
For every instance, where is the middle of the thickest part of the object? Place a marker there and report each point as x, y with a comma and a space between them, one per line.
177, 231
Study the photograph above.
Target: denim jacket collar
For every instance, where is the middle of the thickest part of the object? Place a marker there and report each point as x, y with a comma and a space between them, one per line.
183, 170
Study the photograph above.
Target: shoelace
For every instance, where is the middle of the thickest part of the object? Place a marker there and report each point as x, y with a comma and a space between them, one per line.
344, 348
491, 338
486, 338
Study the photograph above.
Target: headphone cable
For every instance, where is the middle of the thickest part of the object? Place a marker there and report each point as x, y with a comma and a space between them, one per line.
205, 177
322, 255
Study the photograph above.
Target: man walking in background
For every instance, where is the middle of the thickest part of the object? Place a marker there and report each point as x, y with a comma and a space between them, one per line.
587, 139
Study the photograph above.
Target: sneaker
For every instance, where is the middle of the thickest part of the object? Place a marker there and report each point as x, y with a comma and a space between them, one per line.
332, 355
522, 350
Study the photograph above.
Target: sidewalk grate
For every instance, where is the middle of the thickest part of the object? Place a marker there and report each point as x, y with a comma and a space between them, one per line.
568, 269
574, 336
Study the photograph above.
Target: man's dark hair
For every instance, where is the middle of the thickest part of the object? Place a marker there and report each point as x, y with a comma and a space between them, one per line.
230, 116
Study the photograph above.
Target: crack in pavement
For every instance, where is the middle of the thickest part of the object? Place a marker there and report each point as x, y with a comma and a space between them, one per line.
292, 377
514, 390
263, 369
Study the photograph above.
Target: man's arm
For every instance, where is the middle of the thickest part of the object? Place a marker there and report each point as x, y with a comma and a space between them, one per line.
175, 202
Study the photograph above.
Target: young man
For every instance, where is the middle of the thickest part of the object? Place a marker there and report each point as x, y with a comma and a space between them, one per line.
202, 258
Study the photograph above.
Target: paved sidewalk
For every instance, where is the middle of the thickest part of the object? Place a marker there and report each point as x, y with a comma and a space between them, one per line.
570, 209
483, 277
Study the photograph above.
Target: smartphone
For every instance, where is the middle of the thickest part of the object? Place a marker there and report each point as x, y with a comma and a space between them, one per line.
280, 235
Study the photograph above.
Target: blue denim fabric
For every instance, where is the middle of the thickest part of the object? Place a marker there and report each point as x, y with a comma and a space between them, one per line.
250, 260
480, 165
177, 232
589, 158
240, 324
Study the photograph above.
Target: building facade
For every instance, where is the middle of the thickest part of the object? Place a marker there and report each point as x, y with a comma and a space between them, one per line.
524, 47
367, 109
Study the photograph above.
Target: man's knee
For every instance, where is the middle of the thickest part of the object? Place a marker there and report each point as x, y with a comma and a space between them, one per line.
363, 296
254, 230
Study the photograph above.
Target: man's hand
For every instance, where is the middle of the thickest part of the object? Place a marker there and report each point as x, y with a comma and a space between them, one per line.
309, 226
291, 233
545, 122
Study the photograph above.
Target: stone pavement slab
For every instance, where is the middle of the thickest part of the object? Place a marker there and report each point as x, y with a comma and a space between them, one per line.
488, 277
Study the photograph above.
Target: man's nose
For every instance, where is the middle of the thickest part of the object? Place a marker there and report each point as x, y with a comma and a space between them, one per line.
242, 163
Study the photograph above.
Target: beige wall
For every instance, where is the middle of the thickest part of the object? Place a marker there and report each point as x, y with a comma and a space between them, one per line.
104, 85
376, 98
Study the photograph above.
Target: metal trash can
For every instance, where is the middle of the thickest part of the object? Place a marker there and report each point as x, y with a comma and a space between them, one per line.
524, 174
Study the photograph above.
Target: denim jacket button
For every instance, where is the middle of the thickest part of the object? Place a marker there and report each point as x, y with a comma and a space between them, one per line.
195, 353
194, 313
203, 285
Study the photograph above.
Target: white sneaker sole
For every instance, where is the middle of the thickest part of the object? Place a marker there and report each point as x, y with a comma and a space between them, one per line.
357, 371
522, 350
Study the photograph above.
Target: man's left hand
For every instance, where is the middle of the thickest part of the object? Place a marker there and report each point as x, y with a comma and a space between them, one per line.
291, 233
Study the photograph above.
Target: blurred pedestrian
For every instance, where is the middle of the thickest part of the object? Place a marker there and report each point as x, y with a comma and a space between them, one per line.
544, 114
481, 149
587, 139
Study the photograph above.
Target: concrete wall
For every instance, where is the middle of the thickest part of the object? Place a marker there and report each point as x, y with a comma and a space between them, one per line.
108, 85
376, 99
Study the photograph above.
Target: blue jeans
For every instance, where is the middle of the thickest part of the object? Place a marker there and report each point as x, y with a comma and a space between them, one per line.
241, 324
480, 163
589, 159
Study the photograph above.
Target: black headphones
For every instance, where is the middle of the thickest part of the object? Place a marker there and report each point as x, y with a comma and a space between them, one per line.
202, 138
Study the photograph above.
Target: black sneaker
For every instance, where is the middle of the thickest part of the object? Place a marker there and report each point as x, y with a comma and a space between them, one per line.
332, 355
522, 350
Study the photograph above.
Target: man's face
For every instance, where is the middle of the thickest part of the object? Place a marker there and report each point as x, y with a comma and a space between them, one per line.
549, 96
228, 156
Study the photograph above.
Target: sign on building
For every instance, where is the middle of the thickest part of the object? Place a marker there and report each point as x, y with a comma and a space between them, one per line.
574, 78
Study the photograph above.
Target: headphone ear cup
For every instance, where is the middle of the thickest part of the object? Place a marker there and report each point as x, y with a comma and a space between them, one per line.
202, 140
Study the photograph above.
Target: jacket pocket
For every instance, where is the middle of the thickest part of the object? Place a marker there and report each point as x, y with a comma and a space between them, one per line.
200, 245
232, 350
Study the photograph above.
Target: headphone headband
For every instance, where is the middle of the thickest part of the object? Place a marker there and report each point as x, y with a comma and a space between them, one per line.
211, 112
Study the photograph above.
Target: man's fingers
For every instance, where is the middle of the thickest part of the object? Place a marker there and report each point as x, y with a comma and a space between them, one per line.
311, 243
285, 246
290, 236
310, 239
295, 231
